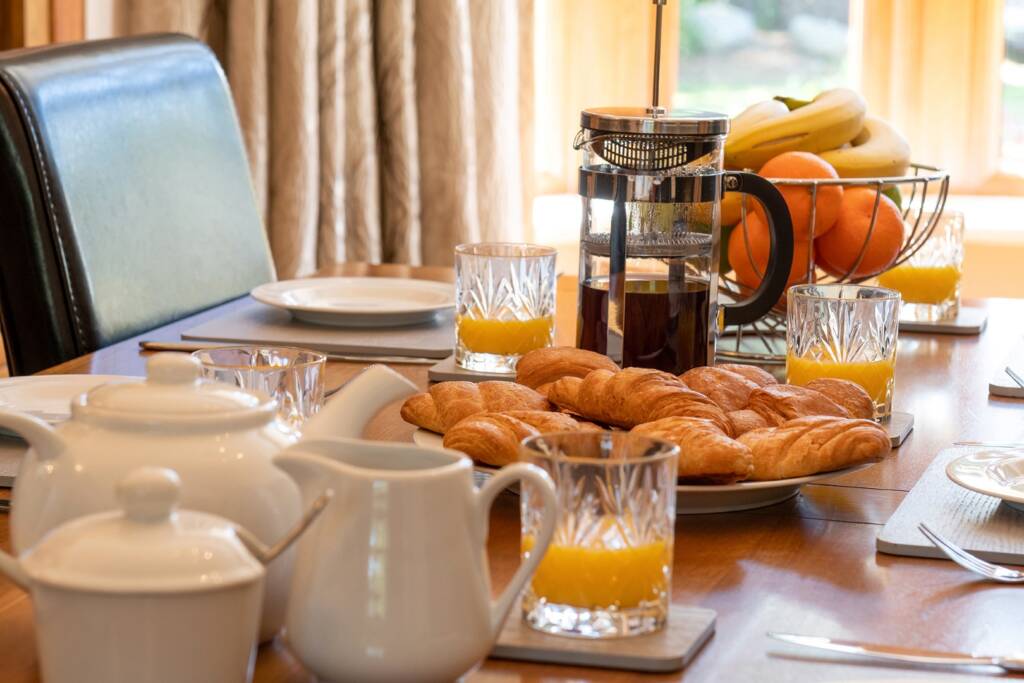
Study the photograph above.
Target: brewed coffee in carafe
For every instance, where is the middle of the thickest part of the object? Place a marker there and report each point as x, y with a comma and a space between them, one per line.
651, 182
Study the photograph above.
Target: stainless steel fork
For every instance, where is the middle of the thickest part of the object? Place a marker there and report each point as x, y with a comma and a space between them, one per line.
969, 561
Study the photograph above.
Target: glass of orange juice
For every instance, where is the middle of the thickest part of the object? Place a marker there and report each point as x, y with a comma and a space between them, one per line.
929, 280
608, 570
505, 299
847, 332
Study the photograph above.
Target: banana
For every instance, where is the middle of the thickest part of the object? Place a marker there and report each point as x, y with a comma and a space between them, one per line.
830, 120
878, 151
756, 113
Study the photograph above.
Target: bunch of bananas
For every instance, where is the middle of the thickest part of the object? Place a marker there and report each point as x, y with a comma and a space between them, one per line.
834, 125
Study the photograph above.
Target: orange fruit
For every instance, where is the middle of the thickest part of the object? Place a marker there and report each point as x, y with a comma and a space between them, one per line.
826, 201
749, 264
838, 250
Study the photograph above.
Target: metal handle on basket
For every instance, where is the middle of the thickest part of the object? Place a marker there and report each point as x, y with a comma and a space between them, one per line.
780, 254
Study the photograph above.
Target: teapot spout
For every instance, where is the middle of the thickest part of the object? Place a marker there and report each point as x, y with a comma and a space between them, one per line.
41, 436
347, 413
11, 568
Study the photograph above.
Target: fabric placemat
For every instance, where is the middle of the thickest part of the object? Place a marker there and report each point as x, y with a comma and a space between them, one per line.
11, 452
979, 523
260, 324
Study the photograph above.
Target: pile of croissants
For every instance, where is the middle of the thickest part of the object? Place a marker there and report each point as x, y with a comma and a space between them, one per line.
731, 422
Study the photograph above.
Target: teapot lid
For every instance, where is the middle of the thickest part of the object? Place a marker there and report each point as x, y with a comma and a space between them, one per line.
175, 392
148, 546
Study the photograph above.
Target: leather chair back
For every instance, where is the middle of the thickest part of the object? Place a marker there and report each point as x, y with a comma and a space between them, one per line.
125, 196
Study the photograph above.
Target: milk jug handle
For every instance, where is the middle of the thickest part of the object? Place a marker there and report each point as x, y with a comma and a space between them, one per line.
485, 497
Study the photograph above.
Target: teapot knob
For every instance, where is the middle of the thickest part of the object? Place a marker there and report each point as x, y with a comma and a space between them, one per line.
173, 368
149, 494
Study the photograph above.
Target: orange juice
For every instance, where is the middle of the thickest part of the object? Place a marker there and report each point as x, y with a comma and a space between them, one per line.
601, 575
922, 284
875, 376
504, 337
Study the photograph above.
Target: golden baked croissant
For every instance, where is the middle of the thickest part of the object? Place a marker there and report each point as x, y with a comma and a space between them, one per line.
633, 396
543, 366
494, 438
446, 403
809, 445
758, 376
849, 395
744, 421
729, 390
706, 454
781, 402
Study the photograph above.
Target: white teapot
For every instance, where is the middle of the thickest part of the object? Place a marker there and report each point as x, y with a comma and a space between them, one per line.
217, 437
149, 592
392, 583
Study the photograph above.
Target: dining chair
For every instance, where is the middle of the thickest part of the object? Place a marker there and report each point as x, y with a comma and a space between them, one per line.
125, 196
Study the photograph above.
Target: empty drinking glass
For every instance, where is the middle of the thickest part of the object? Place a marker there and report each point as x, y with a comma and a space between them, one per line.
505, 298
608, 570
293, 377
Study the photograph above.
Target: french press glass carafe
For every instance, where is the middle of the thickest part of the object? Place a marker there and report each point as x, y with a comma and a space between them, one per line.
651, 183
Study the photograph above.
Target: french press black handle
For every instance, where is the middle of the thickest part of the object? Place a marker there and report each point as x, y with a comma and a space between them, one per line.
780, 253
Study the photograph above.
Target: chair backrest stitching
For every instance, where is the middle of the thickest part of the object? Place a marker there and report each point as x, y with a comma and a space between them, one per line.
29, 123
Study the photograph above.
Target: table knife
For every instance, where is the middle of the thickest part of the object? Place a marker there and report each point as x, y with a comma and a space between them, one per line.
188, 347
906, 655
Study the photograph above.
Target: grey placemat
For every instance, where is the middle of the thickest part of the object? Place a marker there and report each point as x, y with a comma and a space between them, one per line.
669, 649
968, 321
448, 371
259, 324
981, 524
11, 452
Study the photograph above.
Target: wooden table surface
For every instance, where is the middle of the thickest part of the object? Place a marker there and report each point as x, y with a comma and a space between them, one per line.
807, 565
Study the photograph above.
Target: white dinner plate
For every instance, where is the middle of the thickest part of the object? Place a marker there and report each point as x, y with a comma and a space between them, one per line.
997, 473
48, 397
702, 499
359, 301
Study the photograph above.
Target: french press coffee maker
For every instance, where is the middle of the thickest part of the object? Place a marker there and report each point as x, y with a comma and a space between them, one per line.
652, 183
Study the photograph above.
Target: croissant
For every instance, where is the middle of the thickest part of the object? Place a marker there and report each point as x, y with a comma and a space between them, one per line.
706, 454
808, 445
781, 402
633, 396
744, 421
729, 390
494, 438
847, 394
543, 366
758, 376
446, 403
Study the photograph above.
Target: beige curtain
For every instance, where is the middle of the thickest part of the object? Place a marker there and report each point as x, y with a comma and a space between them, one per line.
377, 130
932, 68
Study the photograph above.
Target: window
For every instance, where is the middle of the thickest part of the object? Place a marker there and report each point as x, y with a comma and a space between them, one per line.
737, 52
1012, 77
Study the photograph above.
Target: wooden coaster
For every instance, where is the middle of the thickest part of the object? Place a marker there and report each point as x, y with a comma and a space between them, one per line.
969, 321
899, 425
448, 371
670, 649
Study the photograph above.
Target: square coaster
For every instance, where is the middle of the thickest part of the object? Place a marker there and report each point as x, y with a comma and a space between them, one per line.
670, 649
448, 371
968, 321
899, 425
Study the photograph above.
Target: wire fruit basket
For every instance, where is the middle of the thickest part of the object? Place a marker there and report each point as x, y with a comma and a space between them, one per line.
923, 196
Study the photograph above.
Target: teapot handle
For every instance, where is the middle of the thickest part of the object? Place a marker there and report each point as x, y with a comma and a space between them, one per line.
485, 497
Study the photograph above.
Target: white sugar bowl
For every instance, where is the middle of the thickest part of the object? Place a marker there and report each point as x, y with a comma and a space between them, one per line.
147, 593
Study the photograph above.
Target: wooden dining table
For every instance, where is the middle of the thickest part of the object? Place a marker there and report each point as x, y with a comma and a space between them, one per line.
807, 565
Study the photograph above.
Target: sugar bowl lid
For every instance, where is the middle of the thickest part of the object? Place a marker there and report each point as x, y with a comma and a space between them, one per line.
148, 546
174, 392
654, 121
